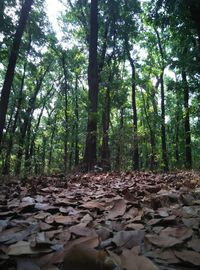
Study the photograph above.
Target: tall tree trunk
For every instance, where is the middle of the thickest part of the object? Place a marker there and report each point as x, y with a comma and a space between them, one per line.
135, 129
27, 121
90, 156
188, 147
163, 129
51, 148
66, 113
152, 134
105, 151
120, 141
5, 94
76, 124
134, 106
195, 11
162, 94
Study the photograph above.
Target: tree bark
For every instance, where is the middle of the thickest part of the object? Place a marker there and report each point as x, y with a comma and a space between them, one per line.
66, 112
163, 130
165, 164
188, 147
90, 157
134, 107
76, 124
5, 94
105, 151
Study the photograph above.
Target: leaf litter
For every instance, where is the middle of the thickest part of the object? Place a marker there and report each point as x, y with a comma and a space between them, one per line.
101, 221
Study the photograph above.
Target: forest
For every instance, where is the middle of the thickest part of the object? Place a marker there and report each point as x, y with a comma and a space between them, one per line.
119, 90
100, 135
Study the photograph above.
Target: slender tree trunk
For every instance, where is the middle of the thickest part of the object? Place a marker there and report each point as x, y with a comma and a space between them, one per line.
66, 112
188, 147
134, 106
162, 93
163, 129
27, 121
105, 151
120, 141
43, 166
90, 157
51, 148
76, 124
152, 134
5, 94
135, 129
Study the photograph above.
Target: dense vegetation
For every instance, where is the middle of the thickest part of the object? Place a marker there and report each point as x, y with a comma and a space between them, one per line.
121, 90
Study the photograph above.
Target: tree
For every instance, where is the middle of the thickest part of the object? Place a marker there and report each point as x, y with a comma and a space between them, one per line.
5, 93
90, 157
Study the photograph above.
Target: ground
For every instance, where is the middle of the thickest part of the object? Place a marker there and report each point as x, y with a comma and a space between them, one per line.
133, 221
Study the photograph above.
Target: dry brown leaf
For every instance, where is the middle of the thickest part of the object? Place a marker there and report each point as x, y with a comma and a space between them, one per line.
163, 241
180, 232
23, 247
82, 230
118, 209
128, 239
93, 205
194, 244
131, 261
189, 256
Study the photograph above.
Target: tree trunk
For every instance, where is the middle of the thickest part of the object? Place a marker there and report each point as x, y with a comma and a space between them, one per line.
188, 147
162, 93
5, 94
163, 130
195, 11
120, 141
90, 157
66, 112
76, 124
134, 106
27, 121
105, 151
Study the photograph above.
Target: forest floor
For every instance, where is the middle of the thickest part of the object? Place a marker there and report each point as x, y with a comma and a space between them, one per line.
97, 221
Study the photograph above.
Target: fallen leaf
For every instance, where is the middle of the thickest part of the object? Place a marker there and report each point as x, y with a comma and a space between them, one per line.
131, 261
128, 239
26, 264
118, 209
194, 244
163, 241
23, 247
189, 256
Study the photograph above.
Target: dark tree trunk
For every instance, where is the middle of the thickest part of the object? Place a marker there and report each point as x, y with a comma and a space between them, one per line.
163, 130
66, 112
152, 135
51, 147
120, 142
188, 147
43, 166
6, 168
195, 11
27, 121
135, 131
165, 164
76, 124
105, 151
134, 106
90, 157
5, 94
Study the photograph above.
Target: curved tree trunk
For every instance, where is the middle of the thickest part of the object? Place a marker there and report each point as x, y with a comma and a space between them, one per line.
5, 94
